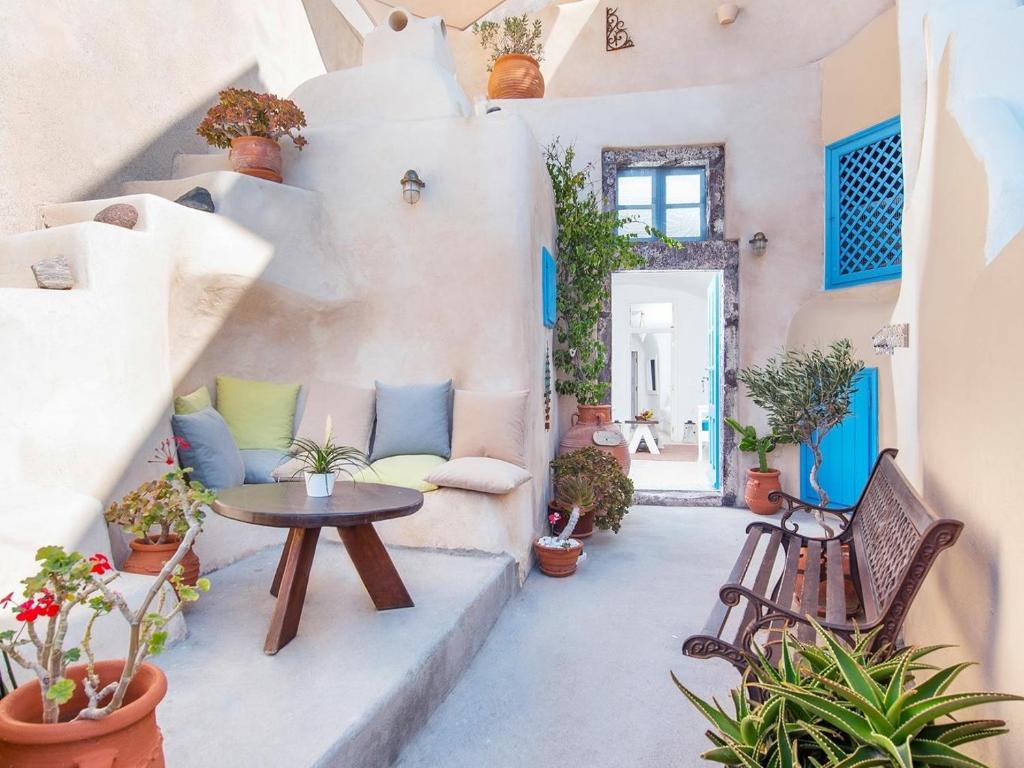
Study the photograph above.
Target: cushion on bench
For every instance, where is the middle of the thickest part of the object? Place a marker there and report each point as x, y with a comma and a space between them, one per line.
474, 473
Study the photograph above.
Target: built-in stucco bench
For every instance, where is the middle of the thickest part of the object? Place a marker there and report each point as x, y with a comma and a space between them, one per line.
892, 539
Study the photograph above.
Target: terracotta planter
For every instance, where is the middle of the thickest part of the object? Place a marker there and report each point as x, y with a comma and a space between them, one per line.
759, 485
149, 559
515, 76
587, 420
256, 156
126, 738
584, 527
852, 599
557, 562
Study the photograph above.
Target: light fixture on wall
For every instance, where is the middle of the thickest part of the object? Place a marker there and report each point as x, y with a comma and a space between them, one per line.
727, 13
412, 185
759, 244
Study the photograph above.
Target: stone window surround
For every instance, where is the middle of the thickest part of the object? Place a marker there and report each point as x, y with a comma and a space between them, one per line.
714, 253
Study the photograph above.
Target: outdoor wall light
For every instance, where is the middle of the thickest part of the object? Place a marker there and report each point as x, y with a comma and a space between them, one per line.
759, 244
412, 185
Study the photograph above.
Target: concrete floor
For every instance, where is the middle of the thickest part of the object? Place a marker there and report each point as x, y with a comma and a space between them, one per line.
576, 671
355, 684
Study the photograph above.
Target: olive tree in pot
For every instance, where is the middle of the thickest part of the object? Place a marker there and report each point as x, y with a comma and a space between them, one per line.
76, 712
762, 480
516, 51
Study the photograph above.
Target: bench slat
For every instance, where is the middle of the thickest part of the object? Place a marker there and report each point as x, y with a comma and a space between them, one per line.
809, 594
867, 589
835, 598
720, 613
764, 574
788, 583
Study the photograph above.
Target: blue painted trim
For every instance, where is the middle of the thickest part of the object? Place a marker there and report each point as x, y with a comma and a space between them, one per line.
549, 288
833, 152
659, 206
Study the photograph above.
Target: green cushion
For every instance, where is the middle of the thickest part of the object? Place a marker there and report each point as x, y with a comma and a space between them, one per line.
260, 414
406, 471
193, 402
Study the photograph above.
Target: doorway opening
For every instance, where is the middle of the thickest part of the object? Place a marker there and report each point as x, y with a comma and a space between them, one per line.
665, 377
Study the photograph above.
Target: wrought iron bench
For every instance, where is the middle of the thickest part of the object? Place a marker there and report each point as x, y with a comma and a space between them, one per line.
892, 538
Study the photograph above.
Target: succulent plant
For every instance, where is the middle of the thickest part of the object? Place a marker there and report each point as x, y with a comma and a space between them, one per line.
576, 492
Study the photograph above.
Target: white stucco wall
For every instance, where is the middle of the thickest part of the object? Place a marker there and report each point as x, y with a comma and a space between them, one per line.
96, 93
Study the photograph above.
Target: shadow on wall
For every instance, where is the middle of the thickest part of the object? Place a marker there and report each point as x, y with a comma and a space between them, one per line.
155, 159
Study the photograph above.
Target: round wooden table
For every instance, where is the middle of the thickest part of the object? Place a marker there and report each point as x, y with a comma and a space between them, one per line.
352, 509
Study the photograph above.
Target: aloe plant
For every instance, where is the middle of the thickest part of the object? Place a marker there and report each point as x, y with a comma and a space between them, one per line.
846, 707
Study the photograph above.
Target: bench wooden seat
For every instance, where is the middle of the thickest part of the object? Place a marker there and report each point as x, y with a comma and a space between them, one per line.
892, 538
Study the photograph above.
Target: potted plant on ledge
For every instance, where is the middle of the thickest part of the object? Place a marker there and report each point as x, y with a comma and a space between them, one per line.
567, 496
613, 490
96, 712
158, 513
558, 555
516, 53
250, 124
320, 464
762, 480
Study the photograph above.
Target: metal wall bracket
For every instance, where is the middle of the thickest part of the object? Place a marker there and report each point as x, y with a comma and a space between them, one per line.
616, 35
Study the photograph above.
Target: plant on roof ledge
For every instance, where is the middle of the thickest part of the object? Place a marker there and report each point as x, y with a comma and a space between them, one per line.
843, 706
515, 52
251, 124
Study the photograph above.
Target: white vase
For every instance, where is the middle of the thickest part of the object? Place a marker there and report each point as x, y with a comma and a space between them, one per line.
319, 486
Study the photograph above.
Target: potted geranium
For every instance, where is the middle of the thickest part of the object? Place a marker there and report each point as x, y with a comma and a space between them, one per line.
613, 490
92, 712
250, 124
516, 52
558, 555
762, 480
156, 514
321, 463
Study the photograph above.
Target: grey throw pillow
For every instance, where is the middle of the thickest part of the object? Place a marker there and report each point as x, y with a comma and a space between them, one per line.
413, 419
209, 449
260, 464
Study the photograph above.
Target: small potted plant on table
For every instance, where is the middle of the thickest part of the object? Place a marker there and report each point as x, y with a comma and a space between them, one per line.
321, 463
558, 555
157, 514
91, 713
516, 53
250, 124
762, 480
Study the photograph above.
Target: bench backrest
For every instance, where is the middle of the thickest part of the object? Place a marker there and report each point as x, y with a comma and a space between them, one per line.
896, 537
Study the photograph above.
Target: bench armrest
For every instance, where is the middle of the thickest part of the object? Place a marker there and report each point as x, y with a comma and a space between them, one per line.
731, 594
843, 516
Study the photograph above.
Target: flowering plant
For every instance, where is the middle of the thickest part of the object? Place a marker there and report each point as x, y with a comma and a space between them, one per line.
158, 510
247, 113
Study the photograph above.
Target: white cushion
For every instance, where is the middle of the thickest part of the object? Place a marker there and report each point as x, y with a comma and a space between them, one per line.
475, 473
350, 409
490, 424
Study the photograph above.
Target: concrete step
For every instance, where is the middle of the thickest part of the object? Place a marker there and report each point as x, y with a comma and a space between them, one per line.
355, 685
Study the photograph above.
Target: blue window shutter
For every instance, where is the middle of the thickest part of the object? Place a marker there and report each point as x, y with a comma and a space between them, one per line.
864, 207
549, 287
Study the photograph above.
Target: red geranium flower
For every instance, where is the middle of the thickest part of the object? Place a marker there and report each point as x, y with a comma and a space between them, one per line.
29, 612
554, 517
6, 600
181, 442
100, 564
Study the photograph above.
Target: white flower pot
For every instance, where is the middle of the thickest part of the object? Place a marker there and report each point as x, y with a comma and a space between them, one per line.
319, 486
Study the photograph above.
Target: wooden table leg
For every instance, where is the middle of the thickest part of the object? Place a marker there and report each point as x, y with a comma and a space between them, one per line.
276, 584
298, 559
375, 568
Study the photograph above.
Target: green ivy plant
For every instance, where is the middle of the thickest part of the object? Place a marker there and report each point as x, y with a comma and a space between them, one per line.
806, 394
751, 443
611, 487
846, 707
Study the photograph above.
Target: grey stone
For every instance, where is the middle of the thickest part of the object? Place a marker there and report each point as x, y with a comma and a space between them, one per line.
120, 215
54, 274
198, 198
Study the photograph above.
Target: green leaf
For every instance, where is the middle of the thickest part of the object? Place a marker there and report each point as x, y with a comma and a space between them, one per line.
962, 731
852, 671
938, 683
842, 718
187, 594
899, 752
896, 683
728, 727
832, 750
864, 757
71, 655
919, 715
934, 753
61, 690
157, 641
787, 758
724, 755
203, 584
874, 715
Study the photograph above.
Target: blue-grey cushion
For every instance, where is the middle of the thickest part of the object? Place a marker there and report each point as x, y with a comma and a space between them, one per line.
413, 419
260, 464
211, 451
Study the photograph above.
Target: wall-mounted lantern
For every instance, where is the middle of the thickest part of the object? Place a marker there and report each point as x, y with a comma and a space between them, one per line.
412, 185
759, 244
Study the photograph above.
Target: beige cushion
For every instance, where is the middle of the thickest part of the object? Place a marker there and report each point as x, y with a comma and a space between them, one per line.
491, 425
474, 473
350, 409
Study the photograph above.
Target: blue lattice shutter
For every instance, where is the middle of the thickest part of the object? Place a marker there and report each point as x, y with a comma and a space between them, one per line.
864, 207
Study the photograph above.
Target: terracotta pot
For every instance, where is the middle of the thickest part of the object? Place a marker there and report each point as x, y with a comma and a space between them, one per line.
584, 527
587, 420
256, 156
557, 562
853, 605
759, 485
126, 738
515, 76
149, 559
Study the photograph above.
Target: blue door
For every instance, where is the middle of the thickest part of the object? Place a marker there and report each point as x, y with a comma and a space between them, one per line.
714, 403
849, 450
